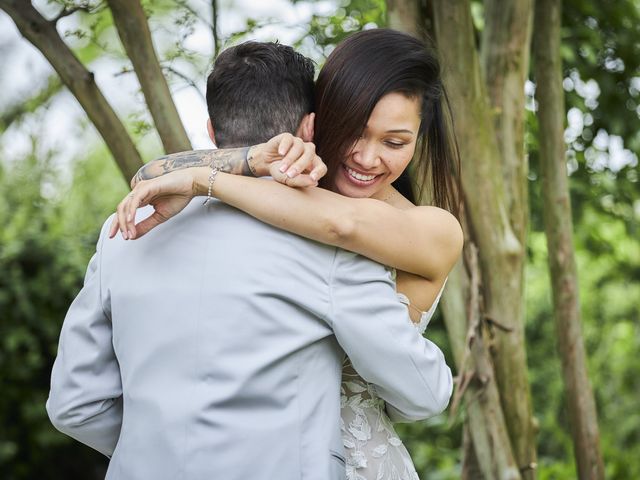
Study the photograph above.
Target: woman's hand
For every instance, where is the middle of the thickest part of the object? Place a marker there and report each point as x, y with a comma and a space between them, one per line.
289, 160
168, 194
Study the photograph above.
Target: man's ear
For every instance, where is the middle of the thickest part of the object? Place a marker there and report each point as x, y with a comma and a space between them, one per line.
306, 128
211, 131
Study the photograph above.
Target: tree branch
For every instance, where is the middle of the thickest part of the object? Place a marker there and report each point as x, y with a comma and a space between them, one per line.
186, 79
214, 28
135, 35
44, 36
14, 113
67, 12
476, 381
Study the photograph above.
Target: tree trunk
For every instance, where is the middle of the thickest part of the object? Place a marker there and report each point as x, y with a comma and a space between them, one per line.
406, 16
504, 61
44, 36
492, 454
500, 243
486, 425
558, 227
470, 466
133, 29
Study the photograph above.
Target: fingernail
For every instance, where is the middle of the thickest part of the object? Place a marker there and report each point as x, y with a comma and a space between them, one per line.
283, 168
314, 176
130, 234
292, 173
124, 235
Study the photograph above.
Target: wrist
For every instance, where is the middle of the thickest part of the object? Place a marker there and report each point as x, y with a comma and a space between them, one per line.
255, 160
200, 181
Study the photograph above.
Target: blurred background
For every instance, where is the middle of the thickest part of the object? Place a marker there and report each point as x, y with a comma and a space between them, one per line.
59, 182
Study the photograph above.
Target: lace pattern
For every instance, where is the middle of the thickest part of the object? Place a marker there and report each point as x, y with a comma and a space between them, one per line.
373, 449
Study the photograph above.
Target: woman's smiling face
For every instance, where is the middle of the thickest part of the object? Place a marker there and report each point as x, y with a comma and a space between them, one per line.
384, 149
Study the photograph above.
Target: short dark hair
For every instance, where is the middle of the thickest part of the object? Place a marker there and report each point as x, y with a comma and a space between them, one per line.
357, 74
257, 90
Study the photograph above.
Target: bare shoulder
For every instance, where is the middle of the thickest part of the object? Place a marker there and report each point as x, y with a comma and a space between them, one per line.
443, 228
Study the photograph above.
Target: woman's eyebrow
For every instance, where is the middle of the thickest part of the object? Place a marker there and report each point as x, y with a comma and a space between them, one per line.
400, 130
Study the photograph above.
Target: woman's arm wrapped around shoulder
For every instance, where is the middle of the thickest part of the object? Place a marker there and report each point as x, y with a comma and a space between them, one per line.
424, 240
295, 157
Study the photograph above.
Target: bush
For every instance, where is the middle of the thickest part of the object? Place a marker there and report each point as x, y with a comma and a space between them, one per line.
45, 244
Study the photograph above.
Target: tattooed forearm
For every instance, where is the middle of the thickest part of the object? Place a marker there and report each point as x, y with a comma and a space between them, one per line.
231, 160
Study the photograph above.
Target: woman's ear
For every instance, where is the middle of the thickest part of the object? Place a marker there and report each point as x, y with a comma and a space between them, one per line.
306, 129
211, 131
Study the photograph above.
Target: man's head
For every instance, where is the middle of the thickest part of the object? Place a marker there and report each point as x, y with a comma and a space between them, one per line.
258, 90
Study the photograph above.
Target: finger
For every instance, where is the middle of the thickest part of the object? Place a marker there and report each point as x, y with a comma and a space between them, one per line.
279, 145
319, 169
113, 229
276, 174
149, 223
132, 206
304, 162
126, 214
139, 199
294, 153
285, 143
121, 215
302, 180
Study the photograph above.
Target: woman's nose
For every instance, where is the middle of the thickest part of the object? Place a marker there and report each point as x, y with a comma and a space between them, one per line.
365, 155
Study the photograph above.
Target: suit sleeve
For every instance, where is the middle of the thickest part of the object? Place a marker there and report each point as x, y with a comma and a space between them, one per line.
85, 400
408, 371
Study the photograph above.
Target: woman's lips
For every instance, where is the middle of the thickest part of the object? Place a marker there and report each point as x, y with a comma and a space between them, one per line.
358, 178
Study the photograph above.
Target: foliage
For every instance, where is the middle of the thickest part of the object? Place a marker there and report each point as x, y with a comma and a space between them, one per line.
602, 89
600, 53
351, 16
611, 327
50, 227
45, 244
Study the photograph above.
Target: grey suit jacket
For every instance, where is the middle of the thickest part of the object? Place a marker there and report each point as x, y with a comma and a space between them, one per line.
212, 348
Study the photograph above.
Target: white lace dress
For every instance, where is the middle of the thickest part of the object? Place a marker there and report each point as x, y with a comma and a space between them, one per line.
372, 447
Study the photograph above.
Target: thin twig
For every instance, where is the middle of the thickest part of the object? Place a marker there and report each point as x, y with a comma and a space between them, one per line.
184, 77
84, 7
467, 369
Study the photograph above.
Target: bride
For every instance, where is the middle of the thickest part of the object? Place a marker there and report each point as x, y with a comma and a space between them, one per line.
380, 103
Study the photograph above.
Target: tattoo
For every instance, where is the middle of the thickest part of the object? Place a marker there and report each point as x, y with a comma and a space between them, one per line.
229, 160
248, 166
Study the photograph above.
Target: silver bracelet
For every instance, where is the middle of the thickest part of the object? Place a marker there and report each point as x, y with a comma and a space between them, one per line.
212, 178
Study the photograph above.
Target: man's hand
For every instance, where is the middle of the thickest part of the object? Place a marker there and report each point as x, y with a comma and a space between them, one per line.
168, 194
296, 160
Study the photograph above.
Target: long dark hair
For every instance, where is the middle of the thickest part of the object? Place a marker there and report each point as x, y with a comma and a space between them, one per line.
357, 74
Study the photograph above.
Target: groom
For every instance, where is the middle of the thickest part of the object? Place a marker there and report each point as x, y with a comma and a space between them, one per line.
212, 347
